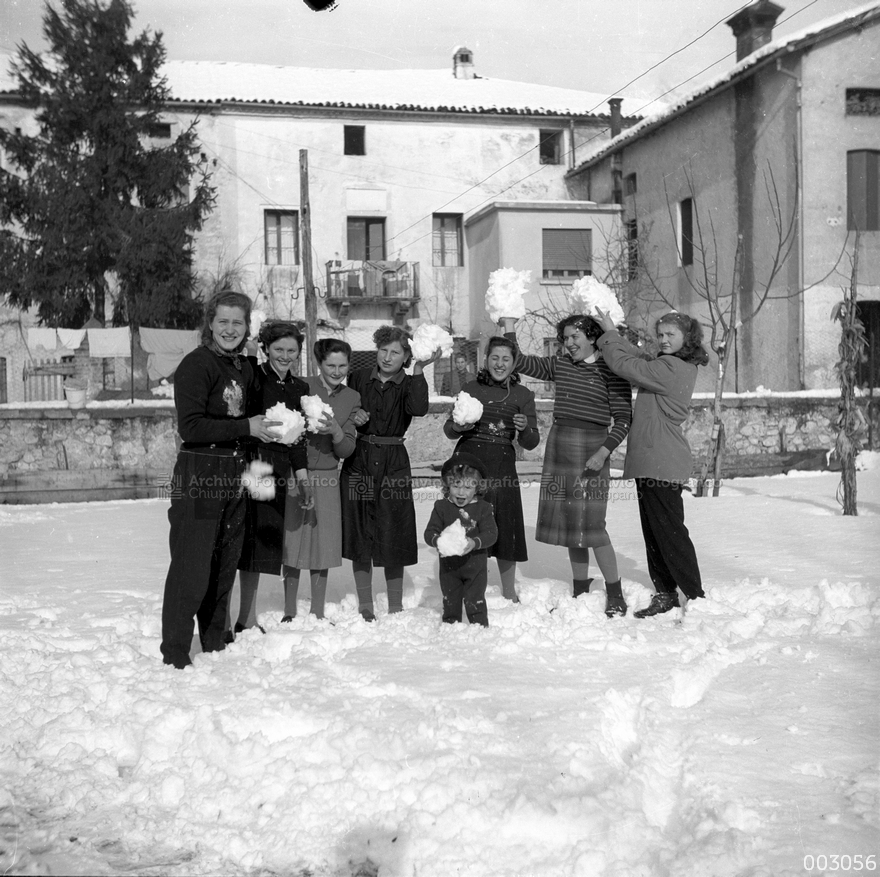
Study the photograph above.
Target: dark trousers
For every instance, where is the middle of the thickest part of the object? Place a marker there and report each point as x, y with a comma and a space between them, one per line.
672, 559
464, 579
207, 517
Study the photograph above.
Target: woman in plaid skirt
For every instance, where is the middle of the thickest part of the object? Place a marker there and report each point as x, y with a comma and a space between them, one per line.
591, 417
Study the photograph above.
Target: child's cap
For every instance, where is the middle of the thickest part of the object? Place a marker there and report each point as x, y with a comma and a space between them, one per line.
463, 459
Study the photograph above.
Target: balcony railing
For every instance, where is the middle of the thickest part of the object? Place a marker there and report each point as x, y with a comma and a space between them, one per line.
373, 282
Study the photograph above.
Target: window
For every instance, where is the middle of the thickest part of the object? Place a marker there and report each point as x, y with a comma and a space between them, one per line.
863, 101
282, 237
550, 147
631, 228
863, 190
868, 372
567, 252
366, 239
447, 240
354, 140
630, 184
686, 231
159, 131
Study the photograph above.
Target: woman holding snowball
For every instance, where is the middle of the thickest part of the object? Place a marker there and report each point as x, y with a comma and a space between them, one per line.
508, 415
281, 342
591, 417
658, 456
378, 515
314, 541
212, 389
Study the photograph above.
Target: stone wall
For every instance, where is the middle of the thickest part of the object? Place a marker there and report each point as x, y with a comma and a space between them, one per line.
55, 453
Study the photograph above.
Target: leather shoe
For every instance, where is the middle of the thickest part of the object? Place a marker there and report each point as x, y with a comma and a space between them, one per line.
615, 607
659, 604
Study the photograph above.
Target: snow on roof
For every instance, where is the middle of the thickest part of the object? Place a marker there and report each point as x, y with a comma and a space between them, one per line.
865, 13
432, 90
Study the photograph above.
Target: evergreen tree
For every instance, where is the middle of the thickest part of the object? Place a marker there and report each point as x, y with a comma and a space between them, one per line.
99, 202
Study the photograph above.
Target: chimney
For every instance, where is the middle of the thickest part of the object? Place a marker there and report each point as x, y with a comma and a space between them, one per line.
614, 103
753, 27
463, 63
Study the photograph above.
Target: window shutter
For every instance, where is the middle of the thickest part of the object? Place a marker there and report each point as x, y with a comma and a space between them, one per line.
567, 249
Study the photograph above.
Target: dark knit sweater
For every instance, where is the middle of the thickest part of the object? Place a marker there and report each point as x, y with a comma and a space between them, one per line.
500, 403
211, 397
585, 391
477, 518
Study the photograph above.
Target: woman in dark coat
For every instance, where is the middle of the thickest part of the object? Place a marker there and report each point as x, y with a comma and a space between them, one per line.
281, 342
212, 386
591, 417
657, 453
378, 515
508, 415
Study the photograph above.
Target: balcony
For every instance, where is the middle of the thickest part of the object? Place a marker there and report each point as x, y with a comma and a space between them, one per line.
355, 283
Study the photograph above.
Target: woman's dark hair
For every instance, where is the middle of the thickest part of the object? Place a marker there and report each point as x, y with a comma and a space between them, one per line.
591, 329
459, 471
692, 350
388, 335
273, 331
323, 347
230, 299
498, 341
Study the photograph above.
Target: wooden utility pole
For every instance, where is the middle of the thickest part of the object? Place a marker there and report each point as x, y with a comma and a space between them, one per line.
311, 301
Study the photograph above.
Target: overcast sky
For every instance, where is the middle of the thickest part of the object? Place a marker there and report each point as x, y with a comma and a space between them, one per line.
594, 45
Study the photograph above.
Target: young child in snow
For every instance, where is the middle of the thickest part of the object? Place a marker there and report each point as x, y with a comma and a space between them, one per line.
463, 577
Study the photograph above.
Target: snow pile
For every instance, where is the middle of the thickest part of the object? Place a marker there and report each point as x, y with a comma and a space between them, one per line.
504, 298
258, 317
292, 423
868, 460
164, 390
467, 409
257, 480
453, 540
735, 738
427, 339
587, 293
315, 410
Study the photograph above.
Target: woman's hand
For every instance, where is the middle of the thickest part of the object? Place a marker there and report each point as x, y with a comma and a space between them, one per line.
470, 545
360, 417
463, 427
597, 461
423, 363
520, 421
330, 426
508, 324
306, 497
259, 428
605, 321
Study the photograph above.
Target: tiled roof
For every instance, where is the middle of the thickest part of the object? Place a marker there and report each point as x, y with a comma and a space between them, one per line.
855, 18
427, 90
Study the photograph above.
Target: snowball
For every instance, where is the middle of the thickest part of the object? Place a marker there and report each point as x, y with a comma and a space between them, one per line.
258, 317
293, 424
587, 294
258, 481
427, 339
315, 408
504, 298
453, 540
467, 409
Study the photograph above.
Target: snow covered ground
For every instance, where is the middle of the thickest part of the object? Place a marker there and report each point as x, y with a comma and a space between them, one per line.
741, 739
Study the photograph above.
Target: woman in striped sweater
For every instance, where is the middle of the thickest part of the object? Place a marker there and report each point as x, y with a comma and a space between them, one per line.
591, 417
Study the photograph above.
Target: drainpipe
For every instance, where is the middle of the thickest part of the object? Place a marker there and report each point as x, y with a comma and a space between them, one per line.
571, 161
800, 218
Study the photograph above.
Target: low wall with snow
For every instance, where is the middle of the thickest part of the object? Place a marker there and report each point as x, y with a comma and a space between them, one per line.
52, 453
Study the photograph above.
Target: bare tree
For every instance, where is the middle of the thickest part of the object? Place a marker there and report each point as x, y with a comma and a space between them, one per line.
729, 306
850, 421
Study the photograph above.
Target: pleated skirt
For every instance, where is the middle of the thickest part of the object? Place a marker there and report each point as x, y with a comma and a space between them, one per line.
572, 504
